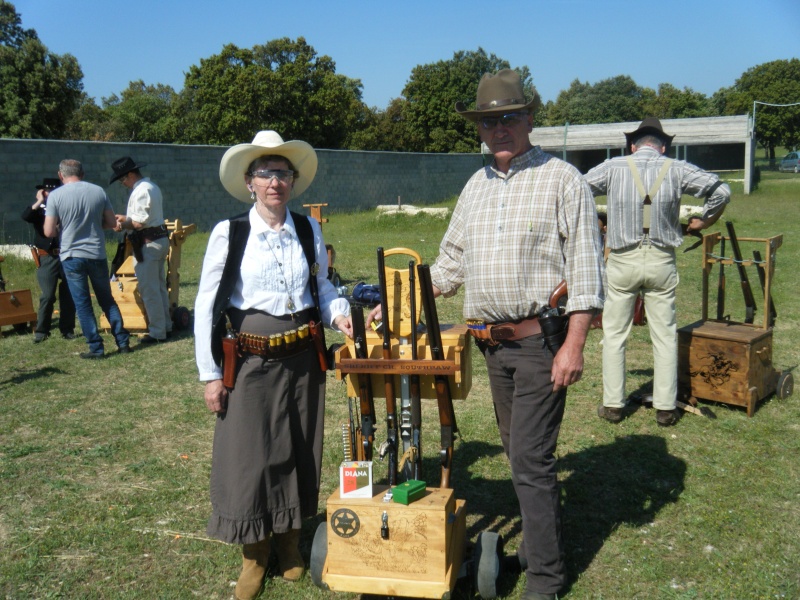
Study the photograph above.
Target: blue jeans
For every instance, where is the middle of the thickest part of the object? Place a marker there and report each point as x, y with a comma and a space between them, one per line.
79, 272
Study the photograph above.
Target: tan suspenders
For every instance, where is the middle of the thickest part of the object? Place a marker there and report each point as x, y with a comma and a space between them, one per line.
646, 196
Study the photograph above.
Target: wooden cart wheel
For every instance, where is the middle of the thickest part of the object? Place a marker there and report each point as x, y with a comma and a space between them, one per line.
319, 552
785, 385
21, 328
488, 560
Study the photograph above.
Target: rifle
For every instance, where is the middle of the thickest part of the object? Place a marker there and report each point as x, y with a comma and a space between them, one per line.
721, 283
364, 387
389, 447
749, 300
762, 278
447, 416
413, 384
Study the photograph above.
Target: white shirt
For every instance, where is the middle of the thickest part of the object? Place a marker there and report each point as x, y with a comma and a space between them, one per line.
273, 269
146, 204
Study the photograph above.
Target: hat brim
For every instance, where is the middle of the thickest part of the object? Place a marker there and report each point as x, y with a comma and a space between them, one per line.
121, 175
235, 161
632, 136
475, 115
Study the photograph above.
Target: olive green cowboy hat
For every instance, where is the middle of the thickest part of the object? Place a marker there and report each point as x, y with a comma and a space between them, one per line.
498, 94
235, 161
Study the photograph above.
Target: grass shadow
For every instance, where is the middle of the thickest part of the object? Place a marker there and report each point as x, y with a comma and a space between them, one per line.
29, 376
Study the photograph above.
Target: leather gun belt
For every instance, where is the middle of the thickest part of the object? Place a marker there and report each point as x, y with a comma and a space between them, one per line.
277, 345
494, 333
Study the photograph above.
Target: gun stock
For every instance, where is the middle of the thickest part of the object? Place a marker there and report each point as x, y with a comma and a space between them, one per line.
447, 416
390, 447
365, 397
747, 292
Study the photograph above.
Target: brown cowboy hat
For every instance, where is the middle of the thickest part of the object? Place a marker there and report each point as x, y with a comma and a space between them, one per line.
498, 94
650, 126
123, 166
49, 183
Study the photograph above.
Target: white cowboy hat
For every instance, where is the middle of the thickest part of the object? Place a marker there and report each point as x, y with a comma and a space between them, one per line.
235, 161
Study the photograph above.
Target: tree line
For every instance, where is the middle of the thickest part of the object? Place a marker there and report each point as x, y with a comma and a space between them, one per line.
286, 86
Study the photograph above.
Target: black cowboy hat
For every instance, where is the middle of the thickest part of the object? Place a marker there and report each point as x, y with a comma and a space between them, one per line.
498, 94
49, 183
123, 166
650, 126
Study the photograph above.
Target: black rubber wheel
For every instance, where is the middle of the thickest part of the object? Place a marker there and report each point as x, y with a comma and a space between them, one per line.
319, 552
785, 385
21, 328
336, 280
488, 561
181, 318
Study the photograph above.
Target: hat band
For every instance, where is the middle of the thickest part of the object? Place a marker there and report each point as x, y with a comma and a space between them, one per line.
499, 103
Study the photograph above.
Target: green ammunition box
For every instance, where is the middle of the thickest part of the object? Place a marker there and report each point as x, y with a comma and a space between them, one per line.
407, 492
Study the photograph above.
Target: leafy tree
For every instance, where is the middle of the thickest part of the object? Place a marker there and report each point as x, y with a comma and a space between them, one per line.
282, 85
143, 113
776, 82
383, 129
672, 103
429, 119
611, 100
39, 90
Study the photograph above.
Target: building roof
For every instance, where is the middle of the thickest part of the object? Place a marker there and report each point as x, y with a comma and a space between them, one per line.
700, 131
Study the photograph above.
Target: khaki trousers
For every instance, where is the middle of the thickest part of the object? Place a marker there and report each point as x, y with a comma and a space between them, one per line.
651, 270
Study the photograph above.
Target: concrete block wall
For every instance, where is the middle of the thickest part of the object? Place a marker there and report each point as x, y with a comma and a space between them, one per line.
189, 178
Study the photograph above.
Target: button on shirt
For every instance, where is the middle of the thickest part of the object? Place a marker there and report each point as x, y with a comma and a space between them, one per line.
272, 261
514, 237
614, 179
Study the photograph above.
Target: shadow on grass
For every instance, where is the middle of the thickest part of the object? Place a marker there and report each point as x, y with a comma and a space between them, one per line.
626, 482
29, 375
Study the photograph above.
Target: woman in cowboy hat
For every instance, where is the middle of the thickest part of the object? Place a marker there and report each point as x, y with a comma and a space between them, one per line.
267, 452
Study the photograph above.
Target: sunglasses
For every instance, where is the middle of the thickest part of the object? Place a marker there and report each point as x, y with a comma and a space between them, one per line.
281, 176
506, 120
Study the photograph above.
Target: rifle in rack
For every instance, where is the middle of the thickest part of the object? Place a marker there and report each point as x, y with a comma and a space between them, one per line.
365, 398
447, 416
749, 299
413, 384
762, 278
721, 283
389, 447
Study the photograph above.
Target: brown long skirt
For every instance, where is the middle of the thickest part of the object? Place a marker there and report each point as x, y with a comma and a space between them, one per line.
267, 454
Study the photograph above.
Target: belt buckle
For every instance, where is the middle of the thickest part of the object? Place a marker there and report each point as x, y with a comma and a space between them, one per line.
476, 324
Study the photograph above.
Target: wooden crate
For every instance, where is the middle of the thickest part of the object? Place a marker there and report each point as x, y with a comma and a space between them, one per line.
421, 557
457, 364
726, 362
16, 308
125, 291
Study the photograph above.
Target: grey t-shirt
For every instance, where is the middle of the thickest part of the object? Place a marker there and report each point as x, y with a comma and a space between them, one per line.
79, 207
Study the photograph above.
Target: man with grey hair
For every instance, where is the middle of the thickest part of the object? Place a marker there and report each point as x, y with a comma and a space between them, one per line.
644, 197
79, 211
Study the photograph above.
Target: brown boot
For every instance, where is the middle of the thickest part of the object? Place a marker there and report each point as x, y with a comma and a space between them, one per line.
290, 560
254, 567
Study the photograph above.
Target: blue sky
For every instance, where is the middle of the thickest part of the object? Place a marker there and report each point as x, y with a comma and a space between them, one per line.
700, 44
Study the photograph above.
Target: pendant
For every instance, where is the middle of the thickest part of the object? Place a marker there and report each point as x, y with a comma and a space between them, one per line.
290, 305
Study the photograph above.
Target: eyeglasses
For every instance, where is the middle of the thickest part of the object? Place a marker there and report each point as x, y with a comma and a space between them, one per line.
506, 120
281, 176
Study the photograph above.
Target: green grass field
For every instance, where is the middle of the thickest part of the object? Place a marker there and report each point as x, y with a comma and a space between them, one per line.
104, 465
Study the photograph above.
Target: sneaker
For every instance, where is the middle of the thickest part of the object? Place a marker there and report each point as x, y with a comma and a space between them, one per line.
91, 355
665, 418
124, 350
40, 337
610, 414
68, 335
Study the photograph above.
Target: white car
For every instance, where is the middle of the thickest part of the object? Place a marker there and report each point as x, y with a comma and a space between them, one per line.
790, 163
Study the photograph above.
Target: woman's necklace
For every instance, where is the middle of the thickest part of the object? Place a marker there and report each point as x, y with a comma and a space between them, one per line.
290, 305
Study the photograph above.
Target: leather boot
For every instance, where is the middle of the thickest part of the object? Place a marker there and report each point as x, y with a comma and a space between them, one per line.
254, 566
291, 562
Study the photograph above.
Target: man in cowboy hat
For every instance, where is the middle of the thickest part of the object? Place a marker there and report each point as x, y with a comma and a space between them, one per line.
49, 272
80, 211
522, 225
150, 241
644, 195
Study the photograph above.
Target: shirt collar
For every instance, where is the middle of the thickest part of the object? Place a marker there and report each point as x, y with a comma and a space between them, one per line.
519, 163
259, 227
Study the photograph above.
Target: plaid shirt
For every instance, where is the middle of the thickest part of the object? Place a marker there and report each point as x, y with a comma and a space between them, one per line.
614, 179
514, 237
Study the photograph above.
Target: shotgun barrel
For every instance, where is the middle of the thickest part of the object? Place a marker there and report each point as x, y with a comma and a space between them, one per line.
721, 284
389, 448
747, 292
413, 382
365, 397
